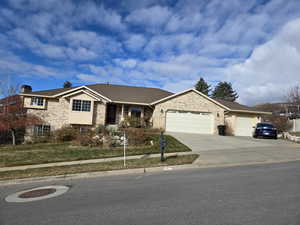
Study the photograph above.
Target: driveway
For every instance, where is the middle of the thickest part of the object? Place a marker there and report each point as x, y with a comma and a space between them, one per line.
222, 150
200, 143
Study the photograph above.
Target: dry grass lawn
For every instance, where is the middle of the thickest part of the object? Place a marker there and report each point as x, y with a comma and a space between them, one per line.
48, 153
105, 166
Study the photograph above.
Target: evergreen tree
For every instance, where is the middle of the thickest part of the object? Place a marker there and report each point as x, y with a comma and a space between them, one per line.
67, 84
224, 91
203, 87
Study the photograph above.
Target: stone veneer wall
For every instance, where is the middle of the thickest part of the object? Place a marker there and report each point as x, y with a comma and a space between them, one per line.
99, 113
56, 113
190, 101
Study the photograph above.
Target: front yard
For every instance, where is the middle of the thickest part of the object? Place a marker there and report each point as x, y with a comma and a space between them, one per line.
49, 152
105, 166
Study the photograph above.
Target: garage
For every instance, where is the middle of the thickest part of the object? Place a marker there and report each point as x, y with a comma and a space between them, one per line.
244, 125
189, 122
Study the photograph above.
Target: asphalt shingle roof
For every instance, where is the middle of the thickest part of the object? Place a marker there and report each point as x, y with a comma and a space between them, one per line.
119, 93
235, 106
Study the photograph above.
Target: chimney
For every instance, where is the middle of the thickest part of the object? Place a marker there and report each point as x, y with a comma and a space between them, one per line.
26, 89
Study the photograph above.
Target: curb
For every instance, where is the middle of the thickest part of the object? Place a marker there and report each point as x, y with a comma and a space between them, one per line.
97, 174
133, 171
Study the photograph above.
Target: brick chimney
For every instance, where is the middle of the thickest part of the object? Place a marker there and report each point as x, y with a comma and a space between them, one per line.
26, 89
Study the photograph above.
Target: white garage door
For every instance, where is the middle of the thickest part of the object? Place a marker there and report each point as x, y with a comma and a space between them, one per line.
244, 126
189, 122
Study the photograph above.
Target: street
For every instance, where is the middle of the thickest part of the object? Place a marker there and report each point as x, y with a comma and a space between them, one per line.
262, 194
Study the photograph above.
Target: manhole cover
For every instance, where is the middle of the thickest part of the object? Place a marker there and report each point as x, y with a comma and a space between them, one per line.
36, 194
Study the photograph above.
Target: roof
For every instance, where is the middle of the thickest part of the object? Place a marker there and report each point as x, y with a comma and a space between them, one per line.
227, 105
234, 106
116, 93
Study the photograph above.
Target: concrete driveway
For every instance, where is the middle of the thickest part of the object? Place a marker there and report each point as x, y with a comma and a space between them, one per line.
228, 150
200, 143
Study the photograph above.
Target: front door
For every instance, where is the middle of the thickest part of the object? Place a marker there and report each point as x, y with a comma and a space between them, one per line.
111, 114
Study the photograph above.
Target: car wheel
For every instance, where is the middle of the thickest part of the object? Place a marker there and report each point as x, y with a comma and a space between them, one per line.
276, 137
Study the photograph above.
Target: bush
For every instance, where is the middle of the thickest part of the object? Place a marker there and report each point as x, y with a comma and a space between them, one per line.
66, 133
133, 122
101, 129
137, 136
88, 140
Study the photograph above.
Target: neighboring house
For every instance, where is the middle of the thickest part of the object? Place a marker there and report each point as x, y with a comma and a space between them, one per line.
291, 110
104, 104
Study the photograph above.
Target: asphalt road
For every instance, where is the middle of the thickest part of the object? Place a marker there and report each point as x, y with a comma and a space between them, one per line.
256, 195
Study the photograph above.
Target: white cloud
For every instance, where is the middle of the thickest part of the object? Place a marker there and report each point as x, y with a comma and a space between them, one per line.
271, 69
135, 42
91, 12
129, 63
149, 18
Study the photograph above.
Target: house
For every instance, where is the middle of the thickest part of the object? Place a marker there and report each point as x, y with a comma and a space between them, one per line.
106, 104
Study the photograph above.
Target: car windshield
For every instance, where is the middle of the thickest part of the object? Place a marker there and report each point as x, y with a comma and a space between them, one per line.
265, 125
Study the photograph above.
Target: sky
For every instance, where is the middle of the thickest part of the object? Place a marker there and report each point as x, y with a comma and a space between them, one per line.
169, 44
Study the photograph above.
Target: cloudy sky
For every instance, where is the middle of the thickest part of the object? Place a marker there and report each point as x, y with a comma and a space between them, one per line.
253, 44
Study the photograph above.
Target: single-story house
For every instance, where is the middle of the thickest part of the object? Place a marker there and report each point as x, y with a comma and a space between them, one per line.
104, 104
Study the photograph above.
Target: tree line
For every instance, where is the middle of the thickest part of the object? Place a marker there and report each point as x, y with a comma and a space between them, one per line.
223, 90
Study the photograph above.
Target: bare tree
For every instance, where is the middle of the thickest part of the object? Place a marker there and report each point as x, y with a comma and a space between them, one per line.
293, 95
13, 115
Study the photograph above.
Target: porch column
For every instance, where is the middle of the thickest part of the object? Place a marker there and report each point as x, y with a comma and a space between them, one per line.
142, 112
122, 113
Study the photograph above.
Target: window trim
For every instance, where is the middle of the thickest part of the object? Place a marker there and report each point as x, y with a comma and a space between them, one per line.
37, 101
79, 105
41, 130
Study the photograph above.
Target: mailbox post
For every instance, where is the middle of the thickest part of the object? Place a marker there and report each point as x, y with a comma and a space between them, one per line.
162, 143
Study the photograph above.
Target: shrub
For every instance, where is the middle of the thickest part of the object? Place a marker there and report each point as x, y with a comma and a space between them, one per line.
133, 122
66, 133
101, 129
88, 140
137, 136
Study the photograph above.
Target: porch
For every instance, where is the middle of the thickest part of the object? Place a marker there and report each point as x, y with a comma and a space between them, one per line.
117, 113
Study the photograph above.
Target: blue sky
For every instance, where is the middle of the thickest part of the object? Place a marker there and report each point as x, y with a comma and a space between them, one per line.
166, 44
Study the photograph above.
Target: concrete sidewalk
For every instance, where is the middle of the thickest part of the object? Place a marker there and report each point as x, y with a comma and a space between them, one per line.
79, 162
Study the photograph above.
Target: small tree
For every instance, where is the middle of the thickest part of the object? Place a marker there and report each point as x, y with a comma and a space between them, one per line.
67, 84
203, 87
13, 115
224, 91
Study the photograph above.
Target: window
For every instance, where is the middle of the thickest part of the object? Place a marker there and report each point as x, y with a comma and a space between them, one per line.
37, 101
136, 112
81, 105
41, 130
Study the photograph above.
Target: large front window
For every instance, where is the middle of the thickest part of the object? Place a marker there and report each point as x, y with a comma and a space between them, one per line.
81, 105
37, 101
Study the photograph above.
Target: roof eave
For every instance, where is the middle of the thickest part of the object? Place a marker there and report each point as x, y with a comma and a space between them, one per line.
252, 112
131, 103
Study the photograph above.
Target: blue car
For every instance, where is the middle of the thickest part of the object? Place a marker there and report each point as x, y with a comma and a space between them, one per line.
265, 130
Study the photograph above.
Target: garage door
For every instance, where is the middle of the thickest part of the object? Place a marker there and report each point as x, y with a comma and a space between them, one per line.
189, 122
244, 126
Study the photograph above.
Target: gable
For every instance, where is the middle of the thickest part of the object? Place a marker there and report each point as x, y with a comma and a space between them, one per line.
190, 101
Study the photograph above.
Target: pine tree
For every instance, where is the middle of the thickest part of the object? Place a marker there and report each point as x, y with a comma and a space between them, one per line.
224, 91
67, 84
203, 87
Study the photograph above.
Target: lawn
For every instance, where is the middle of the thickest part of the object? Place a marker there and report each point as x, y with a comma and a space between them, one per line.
47, 153
105, 166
